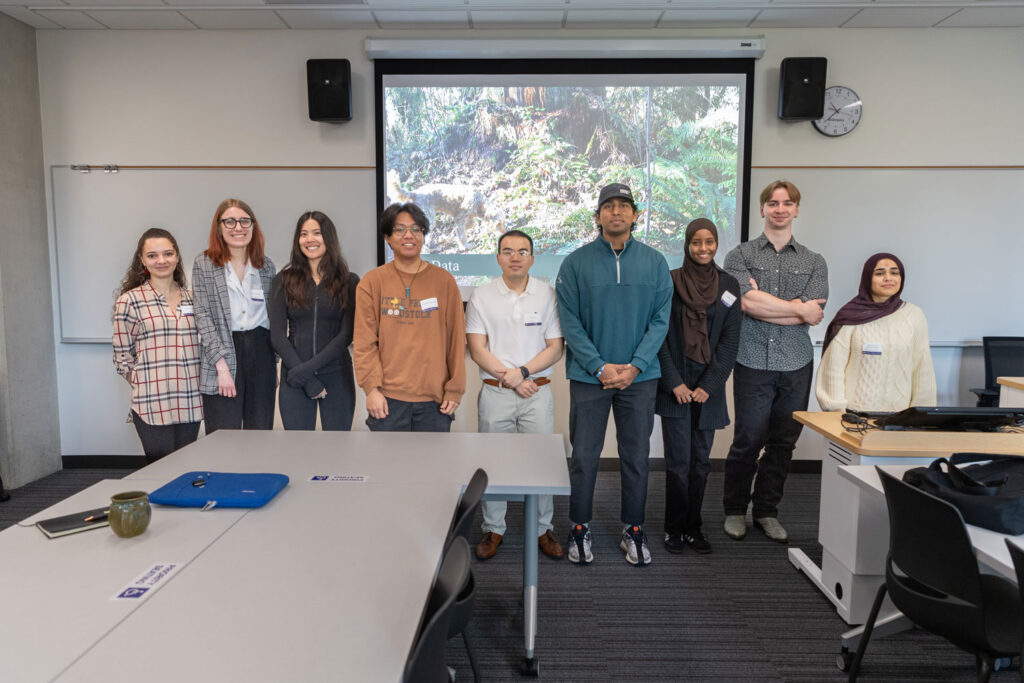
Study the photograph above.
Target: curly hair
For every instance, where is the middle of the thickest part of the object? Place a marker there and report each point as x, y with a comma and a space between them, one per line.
137, 273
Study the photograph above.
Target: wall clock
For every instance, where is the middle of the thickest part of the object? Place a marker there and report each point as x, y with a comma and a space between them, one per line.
843, 110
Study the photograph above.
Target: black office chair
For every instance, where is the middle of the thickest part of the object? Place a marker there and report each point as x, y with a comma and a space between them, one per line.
426, 663
1004, 357
1017, 555
462, 522
932, 576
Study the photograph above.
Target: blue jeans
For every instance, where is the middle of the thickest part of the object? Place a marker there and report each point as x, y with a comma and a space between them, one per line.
765, 401
411, 416
633, 408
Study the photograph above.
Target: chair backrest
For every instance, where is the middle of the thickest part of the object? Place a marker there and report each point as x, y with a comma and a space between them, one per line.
462, 520
1017, 555
426, 662
1004, 357
928, 541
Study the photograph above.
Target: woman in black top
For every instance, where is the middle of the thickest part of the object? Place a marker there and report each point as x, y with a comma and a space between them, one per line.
312, 301
697, 357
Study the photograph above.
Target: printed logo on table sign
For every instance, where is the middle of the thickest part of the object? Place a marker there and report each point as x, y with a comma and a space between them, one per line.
148, 582
347, 478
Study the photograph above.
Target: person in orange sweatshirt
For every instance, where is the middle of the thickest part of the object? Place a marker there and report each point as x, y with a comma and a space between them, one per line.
409, 341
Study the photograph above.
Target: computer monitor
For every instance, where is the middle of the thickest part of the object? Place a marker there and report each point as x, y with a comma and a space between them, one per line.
952, 419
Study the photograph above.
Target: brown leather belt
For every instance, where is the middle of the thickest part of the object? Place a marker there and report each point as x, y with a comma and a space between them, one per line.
539, 381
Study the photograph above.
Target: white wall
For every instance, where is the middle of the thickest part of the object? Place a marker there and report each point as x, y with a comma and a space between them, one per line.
932, 97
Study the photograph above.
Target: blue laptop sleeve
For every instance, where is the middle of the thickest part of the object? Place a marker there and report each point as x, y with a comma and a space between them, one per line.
220, 489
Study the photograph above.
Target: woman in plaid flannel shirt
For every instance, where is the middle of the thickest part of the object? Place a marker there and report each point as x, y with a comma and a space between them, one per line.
156, 346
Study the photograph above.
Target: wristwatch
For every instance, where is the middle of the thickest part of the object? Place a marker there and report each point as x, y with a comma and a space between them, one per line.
526, 373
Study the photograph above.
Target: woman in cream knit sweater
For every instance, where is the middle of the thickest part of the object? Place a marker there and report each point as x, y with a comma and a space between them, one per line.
876, 355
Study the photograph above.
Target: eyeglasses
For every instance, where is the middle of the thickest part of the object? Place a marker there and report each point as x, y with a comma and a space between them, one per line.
507, 253
414, 230
230, 223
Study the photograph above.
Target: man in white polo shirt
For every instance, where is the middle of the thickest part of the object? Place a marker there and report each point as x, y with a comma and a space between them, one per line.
514, 336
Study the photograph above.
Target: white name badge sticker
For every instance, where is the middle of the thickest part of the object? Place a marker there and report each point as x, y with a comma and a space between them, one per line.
429, 304
728, 298
257, 293
186, 309
533, 319
150, 580
872, 349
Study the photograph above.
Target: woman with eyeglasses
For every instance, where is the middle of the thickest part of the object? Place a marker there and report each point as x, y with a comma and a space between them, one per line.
156, 346
410, 333
312, 304
876, 355
230, 278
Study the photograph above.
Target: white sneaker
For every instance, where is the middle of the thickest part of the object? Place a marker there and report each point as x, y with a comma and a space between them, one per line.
634, 544
579, 545
772, 529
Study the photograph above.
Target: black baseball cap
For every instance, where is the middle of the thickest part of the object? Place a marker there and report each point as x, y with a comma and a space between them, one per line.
615, 190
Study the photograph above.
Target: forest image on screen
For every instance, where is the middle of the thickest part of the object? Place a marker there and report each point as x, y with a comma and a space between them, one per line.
483, 160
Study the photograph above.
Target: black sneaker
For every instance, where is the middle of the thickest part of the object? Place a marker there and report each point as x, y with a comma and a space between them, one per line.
697, 541
674, 543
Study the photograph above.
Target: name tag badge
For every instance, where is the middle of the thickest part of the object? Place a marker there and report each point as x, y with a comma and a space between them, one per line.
186, 309
257, 293
533, 319
728, 298
872, 349
428, 304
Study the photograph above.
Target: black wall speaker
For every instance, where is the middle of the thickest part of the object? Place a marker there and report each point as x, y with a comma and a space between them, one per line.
328, 82
802, 88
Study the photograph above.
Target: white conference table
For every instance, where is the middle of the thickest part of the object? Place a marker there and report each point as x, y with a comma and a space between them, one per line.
327, 581
58, 594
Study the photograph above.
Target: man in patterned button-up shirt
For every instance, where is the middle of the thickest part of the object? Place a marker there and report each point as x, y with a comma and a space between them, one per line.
783, 286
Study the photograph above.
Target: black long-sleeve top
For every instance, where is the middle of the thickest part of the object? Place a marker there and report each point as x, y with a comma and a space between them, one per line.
311, 340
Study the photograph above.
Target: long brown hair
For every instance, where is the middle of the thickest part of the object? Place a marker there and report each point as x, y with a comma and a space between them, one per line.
218, 251
297, 277
137, 273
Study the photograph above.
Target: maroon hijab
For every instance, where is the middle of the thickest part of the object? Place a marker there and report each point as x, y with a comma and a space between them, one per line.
862, 308
697, 286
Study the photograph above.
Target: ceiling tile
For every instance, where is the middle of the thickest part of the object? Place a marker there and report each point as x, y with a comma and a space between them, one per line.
510, 6
516, 19
899, 17
418, 19
599, 18
1006, 17
216, 3
141, 19
234, 18
802, 18
70, 18
327, 18
707, 18
27, 16
107, 3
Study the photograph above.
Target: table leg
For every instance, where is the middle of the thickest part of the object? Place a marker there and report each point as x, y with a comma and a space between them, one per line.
529, 665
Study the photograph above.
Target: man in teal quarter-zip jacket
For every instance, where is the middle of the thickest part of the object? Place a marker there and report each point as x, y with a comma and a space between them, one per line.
614, 297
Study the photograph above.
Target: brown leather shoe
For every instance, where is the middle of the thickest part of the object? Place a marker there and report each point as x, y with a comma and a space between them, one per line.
550, 546
488, 545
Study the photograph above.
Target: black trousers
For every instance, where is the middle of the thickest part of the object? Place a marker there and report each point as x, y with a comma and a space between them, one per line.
160, 440
298, 411
411, 416
765, 401
252, 407
687, 464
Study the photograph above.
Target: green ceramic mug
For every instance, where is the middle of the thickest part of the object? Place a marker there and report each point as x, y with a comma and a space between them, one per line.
129, 513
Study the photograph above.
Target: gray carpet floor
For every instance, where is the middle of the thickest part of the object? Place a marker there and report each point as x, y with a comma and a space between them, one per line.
742, 613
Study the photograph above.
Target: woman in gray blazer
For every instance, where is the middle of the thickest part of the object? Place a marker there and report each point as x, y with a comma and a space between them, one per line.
696, 359
231, 280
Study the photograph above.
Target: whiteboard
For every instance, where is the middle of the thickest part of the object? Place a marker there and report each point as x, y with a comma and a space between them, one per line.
98, 218
959, 233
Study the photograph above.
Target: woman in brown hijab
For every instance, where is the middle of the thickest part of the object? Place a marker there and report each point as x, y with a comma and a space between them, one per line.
696, 359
